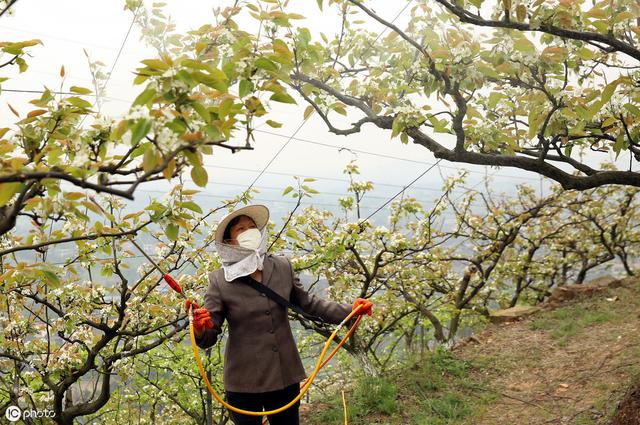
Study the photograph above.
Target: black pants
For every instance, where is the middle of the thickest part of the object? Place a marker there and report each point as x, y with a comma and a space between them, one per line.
268, 401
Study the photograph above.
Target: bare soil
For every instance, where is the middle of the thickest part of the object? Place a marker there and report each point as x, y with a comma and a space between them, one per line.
580, 379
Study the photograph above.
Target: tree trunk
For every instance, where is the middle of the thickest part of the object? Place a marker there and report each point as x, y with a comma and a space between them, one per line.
365, 363
209, 404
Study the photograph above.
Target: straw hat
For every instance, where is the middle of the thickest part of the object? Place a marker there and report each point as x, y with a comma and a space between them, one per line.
259, 214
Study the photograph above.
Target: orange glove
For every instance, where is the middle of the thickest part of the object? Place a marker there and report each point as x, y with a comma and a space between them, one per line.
366, 306
201, 318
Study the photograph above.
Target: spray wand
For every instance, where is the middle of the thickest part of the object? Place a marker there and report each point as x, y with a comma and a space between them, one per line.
166, 276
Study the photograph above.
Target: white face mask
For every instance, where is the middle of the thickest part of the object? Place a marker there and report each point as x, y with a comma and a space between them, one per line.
250, 238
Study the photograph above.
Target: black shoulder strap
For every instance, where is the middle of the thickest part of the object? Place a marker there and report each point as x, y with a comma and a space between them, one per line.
277, 298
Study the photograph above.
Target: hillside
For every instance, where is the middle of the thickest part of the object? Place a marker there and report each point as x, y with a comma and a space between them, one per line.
574, 362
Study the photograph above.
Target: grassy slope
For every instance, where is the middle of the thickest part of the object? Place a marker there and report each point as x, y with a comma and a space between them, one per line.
565, 366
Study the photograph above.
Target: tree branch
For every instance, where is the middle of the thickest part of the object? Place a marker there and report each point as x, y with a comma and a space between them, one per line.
588, 36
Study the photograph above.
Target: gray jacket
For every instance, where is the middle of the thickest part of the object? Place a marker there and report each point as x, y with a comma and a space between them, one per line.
261, 354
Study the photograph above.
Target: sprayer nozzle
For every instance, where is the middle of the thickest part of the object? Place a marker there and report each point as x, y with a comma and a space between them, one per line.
172, 283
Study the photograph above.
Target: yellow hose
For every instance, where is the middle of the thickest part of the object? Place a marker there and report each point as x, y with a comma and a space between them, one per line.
305, 387
344, 407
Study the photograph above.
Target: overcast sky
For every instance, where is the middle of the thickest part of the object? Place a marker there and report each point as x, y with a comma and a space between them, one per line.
66, 27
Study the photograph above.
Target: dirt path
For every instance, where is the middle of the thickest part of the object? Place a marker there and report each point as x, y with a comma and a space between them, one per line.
571, 365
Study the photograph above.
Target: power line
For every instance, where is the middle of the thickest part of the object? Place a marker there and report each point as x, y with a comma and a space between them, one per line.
329, 204
211, 195
281, 173
66, 93
42, 91
55, 37
124, 41
270, 188
368, 196
381, 155
406, 187
113, 66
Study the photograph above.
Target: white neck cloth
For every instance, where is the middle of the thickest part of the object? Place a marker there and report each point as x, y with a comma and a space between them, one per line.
239, 261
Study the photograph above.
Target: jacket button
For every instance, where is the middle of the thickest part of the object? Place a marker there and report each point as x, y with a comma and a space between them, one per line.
271, 331
274, 348
263, 295
268, 312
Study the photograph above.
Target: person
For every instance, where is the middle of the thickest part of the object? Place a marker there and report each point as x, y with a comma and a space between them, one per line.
262, 366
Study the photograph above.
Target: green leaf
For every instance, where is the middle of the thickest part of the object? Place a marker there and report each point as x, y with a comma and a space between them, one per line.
246, 87
567, 150
22, 64
524, 45
144, 97
150, 158
283, 97
139, 130
199, 176
521, 12
52, 277
632, 108
398, 126
601, 26
623, 16
287, 190
439, 126
78, 102
273, 124
186, 78
308, 110
304, 36
172, 232
79, 90
283, 54
192, 206
536, 118
177, 126
619, 145
119, 131
216, 79
193, 64
156, 64
193, 158
202, 111
309, 189
586, 54
266, 64
7, 190
339, 108
494, 98
487, 70
17, 48
608, 91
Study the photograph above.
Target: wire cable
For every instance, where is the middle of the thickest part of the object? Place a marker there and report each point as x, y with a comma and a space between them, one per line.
405, 188
381, 155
